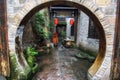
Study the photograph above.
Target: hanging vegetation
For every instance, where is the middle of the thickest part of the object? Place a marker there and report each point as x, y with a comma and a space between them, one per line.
51, 25
38, 24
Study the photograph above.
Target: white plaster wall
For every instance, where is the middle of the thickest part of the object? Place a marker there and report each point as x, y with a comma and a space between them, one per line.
82, 34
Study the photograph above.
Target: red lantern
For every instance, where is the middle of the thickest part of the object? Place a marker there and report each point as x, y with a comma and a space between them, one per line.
71, 22
55, 21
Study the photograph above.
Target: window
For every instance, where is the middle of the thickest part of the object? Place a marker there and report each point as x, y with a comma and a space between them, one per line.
92, 32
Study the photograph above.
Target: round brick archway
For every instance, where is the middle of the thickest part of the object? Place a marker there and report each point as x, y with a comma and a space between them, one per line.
101, 67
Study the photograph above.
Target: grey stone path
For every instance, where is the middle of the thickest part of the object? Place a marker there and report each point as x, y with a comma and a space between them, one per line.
63, 65
2, 78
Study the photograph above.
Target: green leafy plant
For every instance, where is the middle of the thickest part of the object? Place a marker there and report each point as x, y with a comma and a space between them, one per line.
50, 27
51, 24
30, 53
74, 45
63, 34
39, 19
62, 23
38, 24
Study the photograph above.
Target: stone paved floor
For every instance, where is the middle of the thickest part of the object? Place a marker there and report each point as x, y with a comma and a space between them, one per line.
62, 65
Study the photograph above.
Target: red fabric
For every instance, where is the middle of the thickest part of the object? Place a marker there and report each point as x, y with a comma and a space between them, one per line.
55, 38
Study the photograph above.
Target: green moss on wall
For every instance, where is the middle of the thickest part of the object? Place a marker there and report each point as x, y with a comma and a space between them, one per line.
17, 72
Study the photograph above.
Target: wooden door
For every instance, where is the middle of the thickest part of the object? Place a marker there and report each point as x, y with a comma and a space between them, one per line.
115, 72
4, 56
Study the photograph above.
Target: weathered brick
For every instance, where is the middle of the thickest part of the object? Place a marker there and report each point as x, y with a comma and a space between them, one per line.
112, 20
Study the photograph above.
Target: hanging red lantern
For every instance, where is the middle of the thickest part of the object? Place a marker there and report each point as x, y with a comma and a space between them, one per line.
55, 21
71, 22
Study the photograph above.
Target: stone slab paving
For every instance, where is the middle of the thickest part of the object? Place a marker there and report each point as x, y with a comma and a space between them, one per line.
2, 78
62, 65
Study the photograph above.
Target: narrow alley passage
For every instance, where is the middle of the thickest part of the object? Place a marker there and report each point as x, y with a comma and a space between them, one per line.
62, 65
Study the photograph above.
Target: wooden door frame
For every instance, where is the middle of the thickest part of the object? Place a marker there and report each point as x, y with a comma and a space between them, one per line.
116, 58
4, 56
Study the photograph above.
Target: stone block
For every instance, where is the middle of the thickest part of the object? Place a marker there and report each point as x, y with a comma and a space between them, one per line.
110, 47
109, 53
102, 9
12, 46
113, 1
102, 70
10, 10
106, 62
22, 1
11, 35
111, 39
88, 4
105, 26
105, 23
91, 6
12, 29
99, 14
17, 20
16, 9
95, 78
110, 11
27, 8
101, 73
112, 20
102, 2
10, 20
20, 15
38, 1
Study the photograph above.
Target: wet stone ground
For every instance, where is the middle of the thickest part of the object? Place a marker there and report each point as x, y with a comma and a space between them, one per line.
62, 65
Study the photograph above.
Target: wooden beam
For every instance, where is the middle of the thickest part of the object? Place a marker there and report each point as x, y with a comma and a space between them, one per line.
4, 56
115, 72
